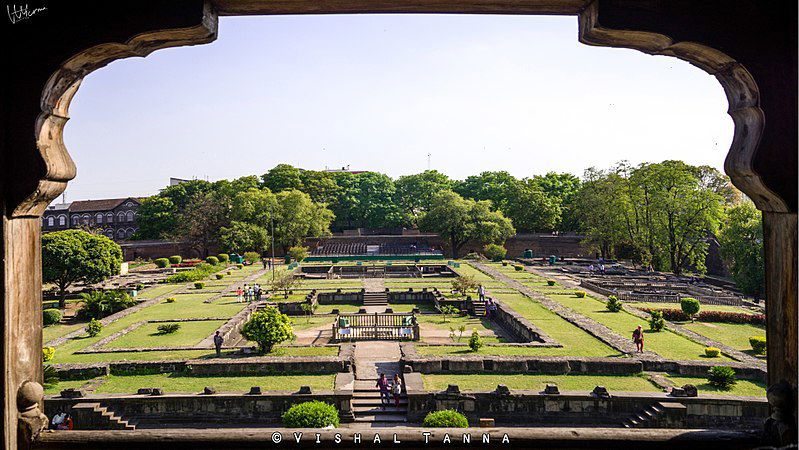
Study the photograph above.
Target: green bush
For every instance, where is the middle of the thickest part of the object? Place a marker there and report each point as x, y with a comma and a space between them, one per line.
48, 353
446, 418
252, 257
219, 276
223, 258
239, 266
313, 414
170, 299
94, 328
518, 268
758, 344
504, 263
199, 272
298, 253
550, 282
168, 328
99, 304
656, 322
212, 260
712, 352
580, 294
51, 316
199, 285
495, 252
475, 341
690, 306
613, 304
139, 287
722, 377
268, 328
175, 259
161, 262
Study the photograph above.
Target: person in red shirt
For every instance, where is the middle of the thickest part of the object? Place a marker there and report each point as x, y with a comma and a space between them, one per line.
638, 338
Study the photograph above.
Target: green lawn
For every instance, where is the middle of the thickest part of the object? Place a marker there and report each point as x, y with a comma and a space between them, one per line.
342, 307
665, 343
56, 331
736, 335
300, 323
471, 323
677, 306
187, 354
53, 389
129, 384
189, 333
424, 308
741, 387
157, 290
618, 383
467, 270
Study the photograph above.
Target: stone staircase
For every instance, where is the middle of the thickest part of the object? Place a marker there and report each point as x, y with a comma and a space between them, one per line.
94, 416
657, 415
479, 307
375, 299
366, 405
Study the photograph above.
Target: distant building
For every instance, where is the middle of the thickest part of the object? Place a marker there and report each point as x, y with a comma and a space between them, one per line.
116, 217
175, 181
343, 169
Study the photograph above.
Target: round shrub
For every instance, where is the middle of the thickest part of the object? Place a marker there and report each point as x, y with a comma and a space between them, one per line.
475, 341
504, 263
712, 352
252, 257
494, 252
518, 268
229, 272
268, 328
690, 306
550, 282
758, 344
223, 257
168, 328
239, 266
170, 299
48, 353
313, 414
656, 322
175, 259
446, 418
51, 316
94, 328
580, 294
139, 287
161, 263
613, 304
212, 260
199, 285
219, 276
722, 377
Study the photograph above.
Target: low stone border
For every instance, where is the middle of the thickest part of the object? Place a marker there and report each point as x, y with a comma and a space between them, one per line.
518, 325
99, 346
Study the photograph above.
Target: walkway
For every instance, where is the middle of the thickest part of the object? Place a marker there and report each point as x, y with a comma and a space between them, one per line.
371, 359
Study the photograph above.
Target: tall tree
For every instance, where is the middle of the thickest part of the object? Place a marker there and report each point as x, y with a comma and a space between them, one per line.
561, 188
415, 192
72, 256
200, 222
319, 185
282, 177
530, 208
461, 220
366, 200
241, 237
298, 217
741, 240
156, 218
494, 186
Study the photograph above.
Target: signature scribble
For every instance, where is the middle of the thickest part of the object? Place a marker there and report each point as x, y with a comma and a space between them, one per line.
20, 13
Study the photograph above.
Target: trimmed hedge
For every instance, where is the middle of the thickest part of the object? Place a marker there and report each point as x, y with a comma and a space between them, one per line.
313, 414
550, 282
712, 352
223, 257
758, 344
94, 328
676, 315
199, 285
580, 294
175, 259
161, 263
613, 304
51, 316
446, 418
48, 353
722, 377
212, 260
656, 322
219, 276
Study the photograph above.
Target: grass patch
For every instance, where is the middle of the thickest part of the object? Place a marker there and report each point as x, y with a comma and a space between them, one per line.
736, 335
741, 387
618, 383
480, 324
58, 330
54, 389
129, 384
189, 333
156, 291
703, 307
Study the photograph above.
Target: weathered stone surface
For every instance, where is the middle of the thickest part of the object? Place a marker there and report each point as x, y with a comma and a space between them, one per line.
551, 389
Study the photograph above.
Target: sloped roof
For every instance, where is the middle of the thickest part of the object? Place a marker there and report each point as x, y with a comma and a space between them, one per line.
98, 205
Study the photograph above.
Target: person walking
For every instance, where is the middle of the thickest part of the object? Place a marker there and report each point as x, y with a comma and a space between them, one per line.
382, 384
638, 338
218, 340
250, 294
481, 292
263, 261
396, 389
239, 292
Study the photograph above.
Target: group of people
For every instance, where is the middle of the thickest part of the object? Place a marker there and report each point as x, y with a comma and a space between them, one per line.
388, 389
249, 293
598, 268
491, 306
62, 421
267, 263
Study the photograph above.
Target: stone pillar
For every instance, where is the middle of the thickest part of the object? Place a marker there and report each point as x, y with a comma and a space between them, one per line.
780, 244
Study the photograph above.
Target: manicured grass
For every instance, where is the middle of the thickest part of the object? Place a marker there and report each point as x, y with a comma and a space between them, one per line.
736, 335
56, 331
189, 333
279, 297
424, 308
454, 322
466, 269
129, 384
300, 323
741, 387
342, 307
665, 343
703, 307
619, 383
53, 389
157, 290
188, 354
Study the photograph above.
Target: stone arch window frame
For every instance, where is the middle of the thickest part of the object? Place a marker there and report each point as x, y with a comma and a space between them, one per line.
98, 218
129, 216
120, 216
109, 217
75, 220
742, 92
62, 220
50, 221
120, 233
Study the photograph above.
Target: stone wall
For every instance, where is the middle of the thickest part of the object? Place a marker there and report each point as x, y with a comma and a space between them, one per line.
517, 325
329, 298
269, 365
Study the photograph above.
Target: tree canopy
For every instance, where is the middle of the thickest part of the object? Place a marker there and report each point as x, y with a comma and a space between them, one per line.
741, 240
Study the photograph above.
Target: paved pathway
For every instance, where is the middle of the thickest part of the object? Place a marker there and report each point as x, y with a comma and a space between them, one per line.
375, 357
374, 285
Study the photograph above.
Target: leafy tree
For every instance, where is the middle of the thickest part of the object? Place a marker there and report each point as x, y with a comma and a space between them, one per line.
741, 240
530, 208
494, 252
201, 221
99, 304
319, 185
656, 322
282, 177
309, 309
94, 327
366, 200
493, 186
464, 284
242, 237
475, 341
298, 253
461, 220
72, 256
268, 328
690, 306
600, 208
156, 217
448, 310
284, 281
415, 192
298, 217
562, 189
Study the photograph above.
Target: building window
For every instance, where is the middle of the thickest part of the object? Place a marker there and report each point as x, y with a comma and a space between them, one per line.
121, 233
75, 220
50, 221
109, 233
130, 216
121, 216
109, 218
62, 220
98, 218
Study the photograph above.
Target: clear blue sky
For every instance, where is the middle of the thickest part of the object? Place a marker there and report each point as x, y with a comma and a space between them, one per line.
380, 92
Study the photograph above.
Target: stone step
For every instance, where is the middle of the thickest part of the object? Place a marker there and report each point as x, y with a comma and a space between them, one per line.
380, 410
393, 418
363, 401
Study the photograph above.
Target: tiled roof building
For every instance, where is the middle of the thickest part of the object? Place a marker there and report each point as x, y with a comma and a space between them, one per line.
115, 216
